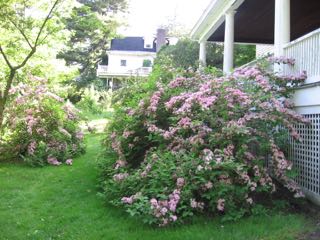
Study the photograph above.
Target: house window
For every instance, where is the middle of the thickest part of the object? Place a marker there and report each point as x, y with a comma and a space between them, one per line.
123, 63
146, 63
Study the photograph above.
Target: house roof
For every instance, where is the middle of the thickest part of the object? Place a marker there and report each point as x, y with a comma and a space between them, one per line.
254, 20
131, 44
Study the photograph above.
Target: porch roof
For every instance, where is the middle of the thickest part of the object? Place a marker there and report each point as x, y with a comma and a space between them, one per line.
254, 20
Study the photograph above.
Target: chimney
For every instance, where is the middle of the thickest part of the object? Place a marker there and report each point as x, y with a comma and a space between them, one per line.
161, 38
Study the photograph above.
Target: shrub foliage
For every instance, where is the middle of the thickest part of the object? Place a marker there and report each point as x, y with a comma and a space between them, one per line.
200, 145
40, 128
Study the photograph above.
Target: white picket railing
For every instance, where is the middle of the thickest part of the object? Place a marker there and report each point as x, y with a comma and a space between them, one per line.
104, 71
305, 51
143, 71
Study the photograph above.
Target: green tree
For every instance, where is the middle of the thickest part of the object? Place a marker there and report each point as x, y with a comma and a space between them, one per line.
185, 54
25, 25
147, 63
92, 26
244, 54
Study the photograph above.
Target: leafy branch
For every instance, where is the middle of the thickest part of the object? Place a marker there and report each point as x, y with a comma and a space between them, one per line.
21, 31
13, 69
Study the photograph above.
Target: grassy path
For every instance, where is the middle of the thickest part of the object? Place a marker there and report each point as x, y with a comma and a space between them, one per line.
62, 203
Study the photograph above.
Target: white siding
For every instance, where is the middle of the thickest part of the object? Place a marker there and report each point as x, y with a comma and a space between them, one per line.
134, 61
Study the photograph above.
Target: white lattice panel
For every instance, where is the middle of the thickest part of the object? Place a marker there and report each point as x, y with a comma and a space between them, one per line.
306, 154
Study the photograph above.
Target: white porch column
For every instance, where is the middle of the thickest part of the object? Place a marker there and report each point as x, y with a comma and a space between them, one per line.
228, 42
111, 84
282, 26
202, 55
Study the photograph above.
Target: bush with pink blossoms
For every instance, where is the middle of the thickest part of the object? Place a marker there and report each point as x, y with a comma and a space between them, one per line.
199, 145
40, 128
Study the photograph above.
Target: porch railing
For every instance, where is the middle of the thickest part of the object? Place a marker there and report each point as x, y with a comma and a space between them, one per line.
102, 70
305, 51
144, 71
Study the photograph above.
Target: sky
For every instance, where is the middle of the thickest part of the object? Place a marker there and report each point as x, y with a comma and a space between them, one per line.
145, 16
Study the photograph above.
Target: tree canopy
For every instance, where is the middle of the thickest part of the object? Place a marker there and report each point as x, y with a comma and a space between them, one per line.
92, 26
185, 54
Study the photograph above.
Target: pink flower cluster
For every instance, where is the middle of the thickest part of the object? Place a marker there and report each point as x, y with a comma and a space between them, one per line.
131, 199
146, 170
69, 162
185, 122
280, 161
177, 82
236, 96
196, 205
148, 167
300, 77
79, 135
131, 112
116, 146
152, 128
165, 210
54, 96
56, 145
71, 111
228, 151
53, 161
154, 100
31, 122
120, 164
120, 177
246, 72
208, 185
127, 133
220, 205
202, 98
32, 147
249, 200
282, 60
207, 156
180, 182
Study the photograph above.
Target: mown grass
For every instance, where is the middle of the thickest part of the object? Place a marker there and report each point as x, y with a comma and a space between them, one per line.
62, 203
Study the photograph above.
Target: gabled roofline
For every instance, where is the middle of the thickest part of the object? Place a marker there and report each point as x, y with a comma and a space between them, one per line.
133, 53
212, 18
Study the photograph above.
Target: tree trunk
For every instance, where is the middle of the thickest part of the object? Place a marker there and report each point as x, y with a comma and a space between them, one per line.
5, 95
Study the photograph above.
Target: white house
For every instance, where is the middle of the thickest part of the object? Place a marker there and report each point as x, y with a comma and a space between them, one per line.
130, 57
293, 28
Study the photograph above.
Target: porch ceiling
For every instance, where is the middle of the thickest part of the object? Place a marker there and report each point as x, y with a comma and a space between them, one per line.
254, 21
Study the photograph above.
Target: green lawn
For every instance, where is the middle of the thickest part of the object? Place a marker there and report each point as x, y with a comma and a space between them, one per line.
62, 203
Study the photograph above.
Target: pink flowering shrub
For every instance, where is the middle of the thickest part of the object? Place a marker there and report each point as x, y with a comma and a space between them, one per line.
200, 145
40, 127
